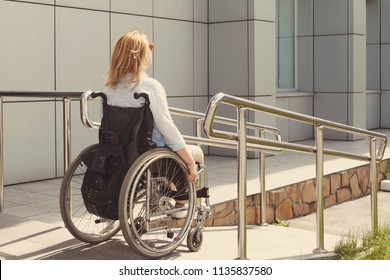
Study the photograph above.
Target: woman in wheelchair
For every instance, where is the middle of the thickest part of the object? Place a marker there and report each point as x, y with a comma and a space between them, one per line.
131, 56
154, 200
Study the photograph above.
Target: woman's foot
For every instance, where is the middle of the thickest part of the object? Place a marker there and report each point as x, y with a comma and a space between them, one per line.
179, 214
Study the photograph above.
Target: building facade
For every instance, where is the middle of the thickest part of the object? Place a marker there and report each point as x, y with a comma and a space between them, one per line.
326, 58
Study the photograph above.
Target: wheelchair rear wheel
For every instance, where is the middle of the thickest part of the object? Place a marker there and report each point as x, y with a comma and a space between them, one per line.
150, 222
81, 224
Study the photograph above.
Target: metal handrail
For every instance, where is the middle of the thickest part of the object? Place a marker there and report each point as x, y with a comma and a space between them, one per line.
66, 97
228, 121
42, 94
240, 102
242, 106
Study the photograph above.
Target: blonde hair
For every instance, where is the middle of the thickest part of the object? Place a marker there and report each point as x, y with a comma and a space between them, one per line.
132, 56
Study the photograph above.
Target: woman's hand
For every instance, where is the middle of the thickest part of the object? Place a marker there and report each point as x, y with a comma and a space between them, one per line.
192, 174
191, 166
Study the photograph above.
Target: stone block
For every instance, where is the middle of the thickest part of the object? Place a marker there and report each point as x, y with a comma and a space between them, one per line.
363, 174
284, 211
351, 172
344, 179
343, 195
330, 200
267, 197
251, 215
228, 220
301, 209
313, 207
309, 192
301, 186
288, 190
383, 166
277, 196
381, 177
326, 190
335, 182
223, 209
251, 200
295, 193
209, 222
257, 198
258, 214
269, 215
355, 186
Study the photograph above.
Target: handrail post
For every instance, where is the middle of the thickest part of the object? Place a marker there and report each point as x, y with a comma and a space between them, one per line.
263, 221
320, 188
66, 118
242, 174
198, 128
374, 185
1, 158
67, 131
198, 133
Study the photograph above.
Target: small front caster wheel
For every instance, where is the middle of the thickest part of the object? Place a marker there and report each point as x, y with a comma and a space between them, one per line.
194, 239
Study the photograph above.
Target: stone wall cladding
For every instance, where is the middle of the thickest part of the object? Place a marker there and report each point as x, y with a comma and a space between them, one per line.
299, 199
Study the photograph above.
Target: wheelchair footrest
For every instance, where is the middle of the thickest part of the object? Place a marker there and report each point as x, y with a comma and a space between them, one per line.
202, 193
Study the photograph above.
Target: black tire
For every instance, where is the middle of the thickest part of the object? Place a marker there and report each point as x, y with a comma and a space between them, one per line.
194, 240
81, 224
147, 201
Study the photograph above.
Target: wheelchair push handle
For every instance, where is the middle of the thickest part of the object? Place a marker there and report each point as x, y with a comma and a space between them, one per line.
85, 97
142, 94
95, 94
89, 95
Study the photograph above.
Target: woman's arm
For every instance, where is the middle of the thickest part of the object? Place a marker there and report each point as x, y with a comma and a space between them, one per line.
190, 163
164, 124
171, 135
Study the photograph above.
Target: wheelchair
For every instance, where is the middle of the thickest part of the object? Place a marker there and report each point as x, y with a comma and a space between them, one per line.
146, 209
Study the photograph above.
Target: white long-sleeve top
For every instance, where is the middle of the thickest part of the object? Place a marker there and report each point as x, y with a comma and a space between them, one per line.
165, 131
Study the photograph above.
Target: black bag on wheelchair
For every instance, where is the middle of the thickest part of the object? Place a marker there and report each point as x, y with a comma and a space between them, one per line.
125, 134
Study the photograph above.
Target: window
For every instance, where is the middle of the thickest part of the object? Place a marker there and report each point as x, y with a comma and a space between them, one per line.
285, 44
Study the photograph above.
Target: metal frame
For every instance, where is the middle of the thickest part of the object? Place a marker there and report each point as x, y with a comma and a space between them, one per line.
319, 150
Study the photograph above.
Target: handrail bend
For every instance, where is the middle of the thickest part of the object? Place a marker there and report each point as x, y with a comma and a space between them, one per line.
221, 98
242, 106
